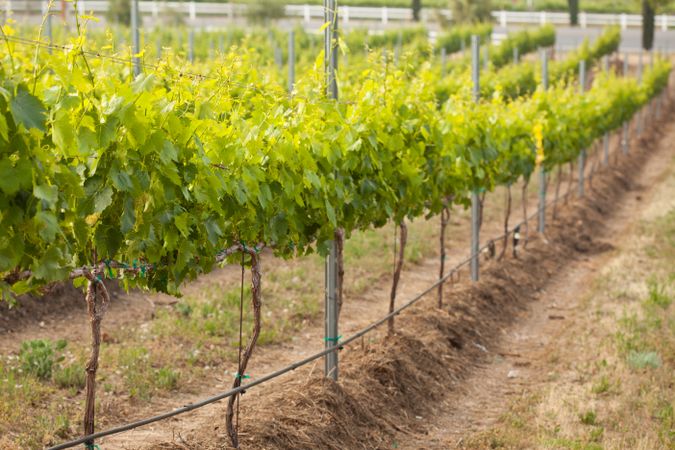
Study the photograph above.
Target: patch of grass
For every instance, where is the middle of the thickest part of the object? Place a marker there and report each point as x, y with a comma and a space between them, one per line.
572, 444
588, 418
642, 360
72, 376
135, 366
602, 386
658, 294
39, 356
666, 417
167, 378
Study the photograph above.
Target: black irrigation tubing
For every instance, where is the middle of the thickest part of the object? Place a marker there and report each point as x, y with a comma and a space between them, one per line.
278, 373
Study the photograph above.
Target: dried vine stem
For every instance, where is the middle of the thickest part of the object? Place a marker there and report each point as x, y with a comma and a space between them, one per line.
95, 289
506, 223
525, 217
398, 266
241, 370
445, 219
339, 247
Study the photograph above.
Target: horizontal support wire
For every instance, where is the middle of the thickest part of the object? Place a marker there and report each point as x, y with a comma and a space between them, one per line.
291, 367
156, 67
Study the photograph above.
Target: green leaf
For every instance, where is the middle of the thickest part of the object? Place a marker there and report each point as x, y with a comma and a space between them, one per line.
47, 193
48, 268
128, 216
28, 110
48, 226
121, 180
331, 213
103, 199
63, 133
15, 178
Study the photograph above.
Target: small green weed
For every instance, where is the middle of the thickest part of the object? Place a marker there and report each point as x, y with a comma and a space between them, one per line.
588, 418
167, 378
38, 357
658, 294
602, 386
72, 376
641, 360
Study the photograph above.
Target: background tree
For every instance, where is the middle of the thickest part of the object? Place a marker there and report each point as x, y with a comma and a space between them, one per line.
648, 14
649, 10
574, 12
471, 11
416, 8
119, 11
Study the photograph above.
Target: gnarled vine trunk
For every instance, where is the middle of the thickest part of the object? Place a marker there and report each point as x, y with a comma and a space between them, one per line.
506, 222
241, 370
398, 266
445, 219
525, 218
95, 289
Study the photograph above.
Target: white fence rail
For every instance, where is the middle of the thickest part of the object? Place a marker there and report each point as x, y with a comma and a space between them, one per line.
309, 13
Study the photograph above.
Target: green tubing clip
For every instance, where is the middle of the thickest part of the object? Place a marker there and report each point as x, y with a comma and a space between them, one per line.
110, 272
241, 377
92, 447
334, 340
143, 271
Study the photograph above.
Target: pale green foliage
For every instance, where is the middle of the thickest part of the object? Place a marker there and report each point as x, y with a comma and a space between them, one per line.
167, 170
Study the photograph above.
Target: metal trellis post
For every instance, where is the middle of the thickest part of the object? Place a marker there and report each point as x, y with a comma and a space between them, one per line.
605, 138
640, 111
625, 137
475, 201
443, 56
191, 46
135, 38
291, 60
331, 306
48, 24
542, 171
582, 155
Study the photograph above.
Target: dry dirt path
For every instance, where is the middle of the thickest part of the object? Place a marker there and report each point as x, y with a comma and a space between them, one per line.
543, 348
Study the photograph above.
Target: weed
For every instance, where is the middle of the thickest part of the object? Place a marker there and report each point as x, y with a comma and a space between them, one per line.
38, 357
167, 378
602, 386
72, 376
641, 360
596, 434
658, 294
183, 309
588, 418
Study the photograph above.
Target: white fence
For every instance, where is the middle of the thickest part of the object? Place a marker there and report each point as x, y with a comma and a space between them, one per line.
309, 13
